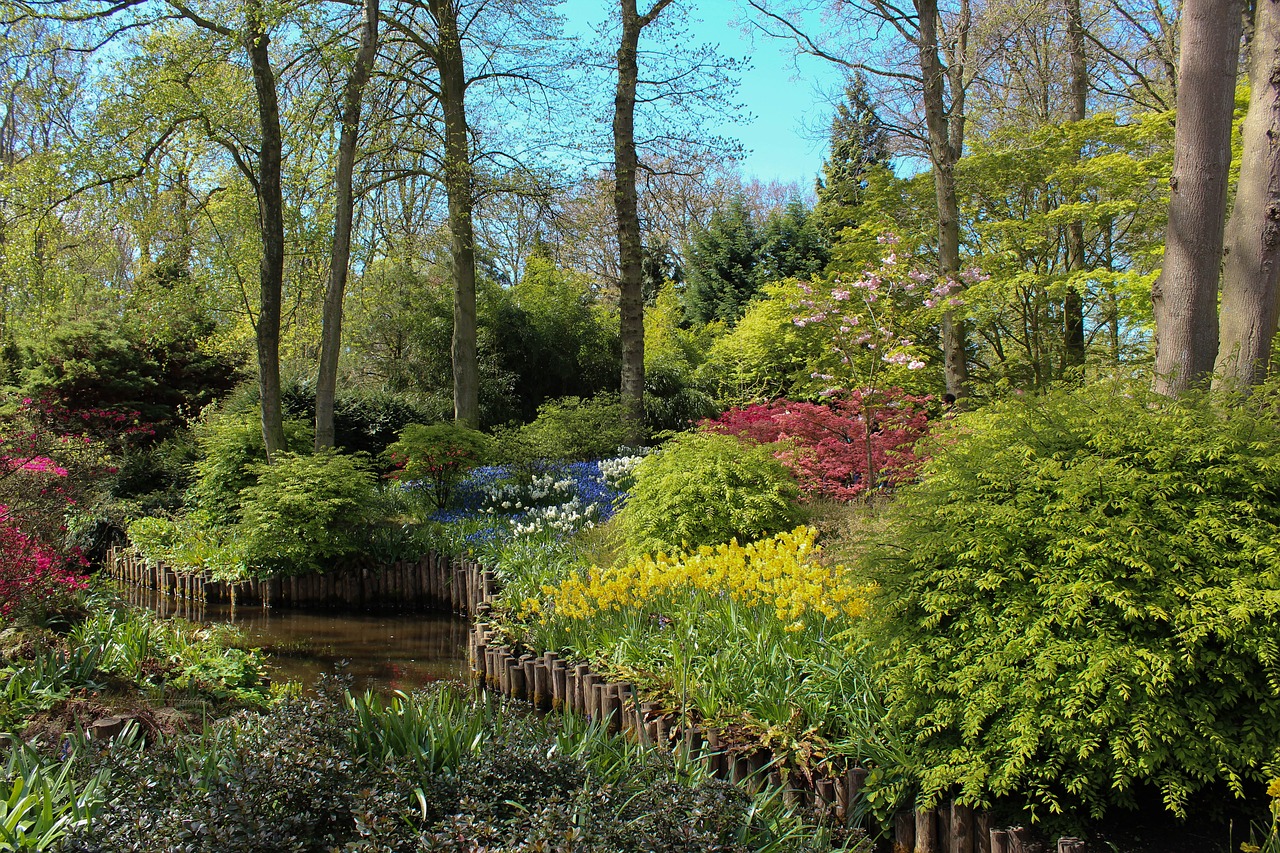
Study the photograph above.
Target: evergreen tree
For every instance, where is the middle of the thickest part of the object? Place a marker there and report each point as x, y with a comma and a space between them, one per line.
791, 245
721, 265
859, 142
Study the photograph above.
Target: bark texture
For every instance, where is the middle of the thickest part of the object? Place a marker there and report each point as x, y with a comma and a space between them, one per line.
626, 209
331, 320
271, 225
459, 187
945, 125
1184, 298
1077, 107
1251, 272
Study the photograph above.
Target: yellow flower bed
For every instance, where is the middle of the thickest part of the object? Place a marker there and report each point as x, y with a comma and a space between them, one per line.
782, 572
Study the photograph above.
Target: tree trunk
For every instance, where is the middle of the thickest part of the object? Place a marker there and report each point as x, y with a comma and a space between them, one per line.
1184, 298
1073, 304
331, 321
1251, 274
630, 250
946, 142
459, 189
271, 225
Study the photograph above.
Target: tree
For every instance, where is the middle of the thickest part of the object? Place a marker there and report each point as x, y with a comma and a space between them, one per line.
937, 78
721, 266
1185, 296
857, 141
1251, 274
626, 163
344, 204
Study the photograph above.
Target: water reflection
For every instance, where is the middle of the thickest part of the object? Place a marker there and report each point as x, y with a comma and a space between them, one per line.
382, 651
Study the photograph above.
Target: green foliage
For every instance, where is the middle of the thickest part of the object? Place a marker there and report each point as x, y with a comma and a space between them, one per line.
333, 771
570, 429
858, 142
721, 265
305, 511
365, 421
43, 802
163, 374
230, 446
1080, 601
765, 355
704, 489
791, 246
438, 455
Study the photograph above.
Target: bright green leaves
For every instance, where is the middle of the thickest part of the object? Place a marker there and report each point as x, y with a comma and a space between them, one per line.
1082, 600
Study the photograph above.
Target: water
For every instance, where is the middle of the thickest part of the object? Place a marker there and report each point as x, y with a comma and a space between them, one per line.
395, 651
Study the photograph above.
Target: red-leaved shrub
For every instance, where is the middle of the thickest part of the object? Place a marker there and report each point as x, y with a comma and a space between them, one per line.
839, 448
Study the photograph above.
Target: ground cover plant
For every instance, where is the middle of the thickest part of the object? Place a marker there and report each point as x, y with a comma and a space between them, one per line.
115, 657
442, 770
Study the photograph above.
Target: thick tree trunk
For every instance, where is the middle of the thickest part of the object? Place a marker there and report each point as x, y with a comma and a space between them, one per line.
331, 321
1251, 273
946, 142
1185, 296
271, 225
1073, 304
459, 188
626, 207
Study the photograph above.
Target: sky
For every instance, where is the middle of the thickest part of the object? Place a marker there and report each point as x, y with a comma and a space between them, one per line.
788, 102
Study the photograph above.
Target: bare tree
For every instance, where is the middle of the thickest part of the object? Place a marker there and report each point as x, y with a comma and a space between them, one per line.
1185, 296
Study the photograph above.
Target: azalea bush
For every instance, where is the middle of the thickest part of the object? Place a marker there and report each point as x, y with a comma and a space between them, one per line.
844, 447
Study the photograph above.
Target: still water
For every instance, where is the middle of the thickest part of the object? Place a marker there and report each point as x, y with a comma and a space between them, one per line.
396, 651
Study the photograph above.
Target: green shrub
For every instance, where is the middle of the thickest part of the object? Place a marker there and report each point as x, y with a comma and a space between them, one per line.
438, 456
1080, 601
570, 429
705, 489
230, 445
366, 421
304, 511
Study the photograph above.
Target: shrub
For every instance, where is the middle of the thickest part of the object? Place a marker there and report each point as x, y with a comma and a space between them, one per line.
230, 445
33, 577
1080, 601
438, 456
570, 429
363, 421
838, 449
304, 511
704, 489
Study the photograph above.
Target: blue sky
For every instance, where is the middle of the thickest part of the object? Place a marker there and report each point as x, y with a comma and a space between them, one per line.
787, 101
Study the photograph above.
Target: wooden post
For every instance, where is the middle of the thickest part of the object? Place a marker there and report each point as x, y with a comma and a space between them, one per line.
961, 829
1019, 840
1070, 845
904, 832
982, 823
611, 709
541, 686
999, 841
926, 831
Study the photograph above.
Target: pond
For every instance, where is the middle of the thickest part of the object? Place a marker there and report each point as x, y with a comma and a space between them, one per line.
382, 651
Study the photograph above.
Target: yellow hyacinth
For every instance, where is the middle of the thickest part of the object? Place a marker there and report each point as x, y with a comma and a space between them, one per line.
782, 572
